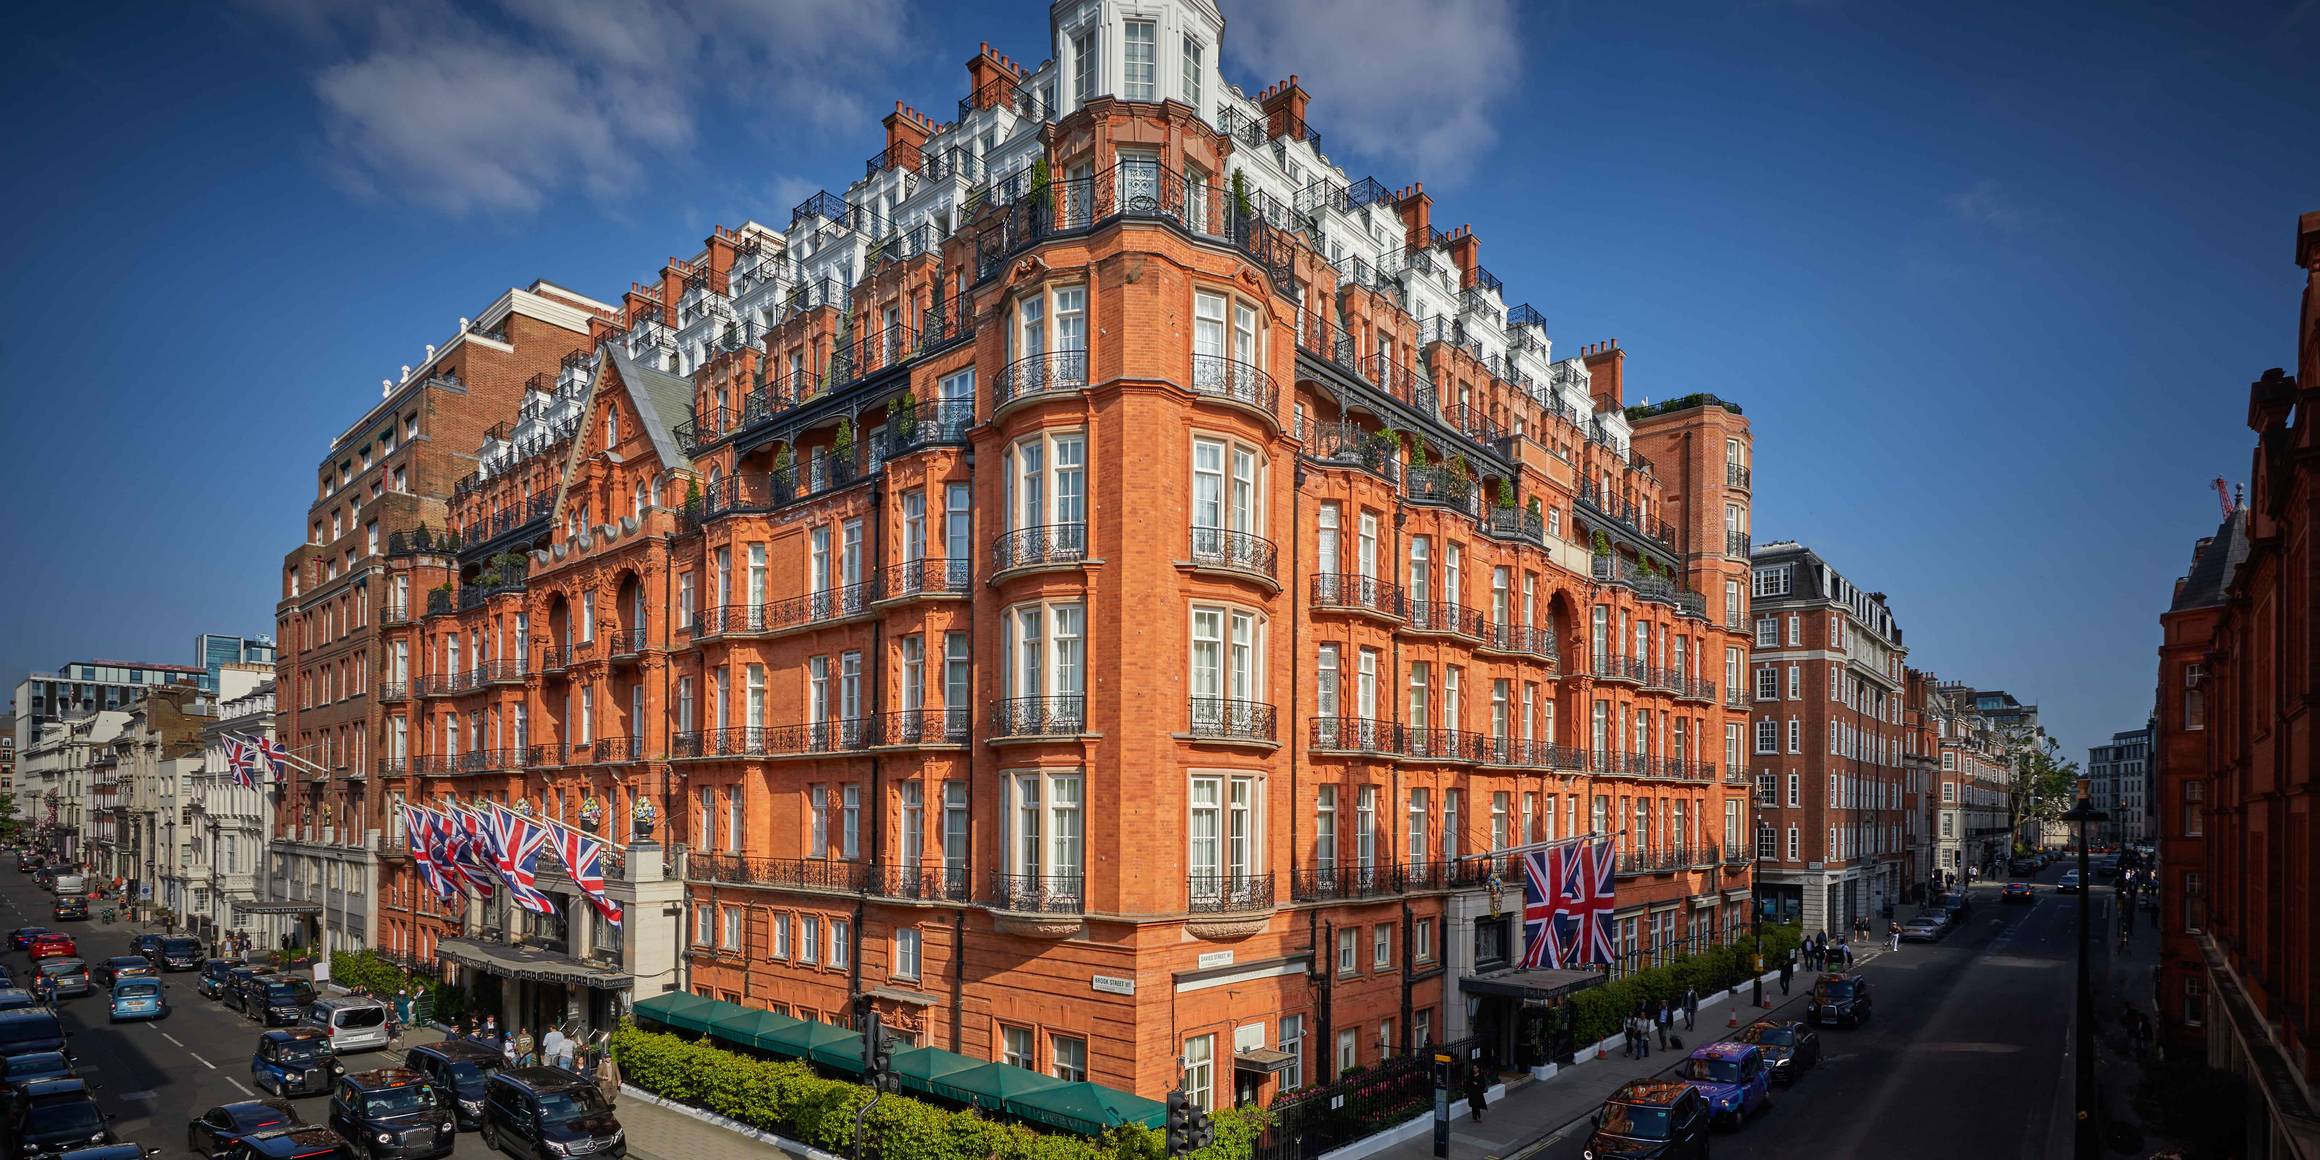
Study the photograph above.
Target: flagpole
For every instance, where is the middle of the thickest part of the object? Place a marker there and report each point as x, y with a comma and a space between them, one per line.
288, 754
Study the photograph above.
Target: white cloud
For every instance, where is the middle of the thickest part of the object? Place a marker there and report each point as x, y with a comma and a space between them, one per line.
499, 109
1398, 82
1990, 203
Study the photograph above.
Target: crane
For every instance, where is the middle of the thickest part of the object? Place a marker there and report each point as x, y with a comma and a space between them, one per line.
2223, 496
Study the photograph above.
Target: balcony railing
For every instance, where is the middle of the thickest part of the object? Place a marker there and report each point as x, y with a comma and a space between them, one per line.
1347, 444
395, 612
1439, 744
795, 612
1655, 586
1034, 211
1443, 486
925, 727
1513, 523
1617, 668
1236, 551
1356, 735
926, 576
1736, 475
1033, 547
1736, 543
627, 642
1335, 883
925, 425
830, 874
1444, 616
1039, 374
1228, 893
1530, 640
920, 883
619, 749
1219, 377
836, 735
1039, 893
1225, 719
1352, 590
1530, 753
505, 671
1064, 716
394, 691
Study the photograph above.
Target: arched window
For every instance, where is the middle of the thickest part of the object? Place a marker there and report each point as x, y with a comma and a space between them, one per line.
636, 501
611, 429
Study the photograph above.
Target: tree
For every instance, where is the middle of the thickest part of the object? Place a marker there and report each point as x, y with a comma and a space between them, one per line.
2044, 784
10, 824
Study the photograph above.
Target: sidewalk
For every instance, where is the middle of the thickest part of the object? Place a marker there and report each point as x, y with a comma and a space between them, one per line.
1533, 1115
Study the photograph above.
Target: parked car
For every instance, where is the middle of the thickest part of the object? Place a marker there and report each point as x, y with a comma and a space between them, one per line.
294, 1062
547, 1113
56, 1115
21, 938
353, 1023
69, 906
1658, 1118
33, 1067
177, 954
139, 997
396, 1113
1839, 999
109, 1152
2068, 884
211, 982
1732, 1077
52, 944
1925, 928
147, 944
461, 1066
22, 1032
16, 999
1790, 1048
303, 1142
114, 969
226, 1124
277, 1000
2017, 892
71, 975
231, 992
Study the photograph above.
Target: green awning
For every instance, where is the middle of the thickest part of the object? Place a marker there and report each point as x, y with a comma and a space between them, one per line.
682, 1010
1087, 1108
843, 1053
918, 1067
991, 1085
749, 1026
798, 1042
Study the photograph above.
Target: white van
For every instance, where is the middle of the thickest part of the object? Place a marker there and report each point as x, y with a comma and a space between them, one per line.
68, 885
353, 1024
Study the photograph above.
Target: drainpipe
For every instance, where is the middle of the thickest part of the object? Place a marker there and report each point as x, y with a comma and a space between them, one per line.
1325, 936
680, 967
877, 710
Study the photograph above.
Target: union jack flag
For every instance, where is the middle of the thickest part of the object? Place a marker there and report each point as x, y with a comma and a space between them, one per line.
416, 830
277, 756
468, 849
1567, 905
516, 842
241, 760
584, 860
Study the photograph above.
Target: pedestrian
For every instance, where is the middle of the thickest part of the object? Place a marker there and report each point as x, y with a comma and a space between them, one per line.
524, 1056
1662, 1021
557, 1047
402, 1004
1787, 972
1893, 936
1643, 1035
1691, 1006
507, 1051
608, 1076
1475, 1093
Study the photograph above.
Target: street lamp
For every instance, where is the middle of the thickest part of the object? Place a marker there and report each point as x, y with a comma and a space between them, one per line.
2087, 1136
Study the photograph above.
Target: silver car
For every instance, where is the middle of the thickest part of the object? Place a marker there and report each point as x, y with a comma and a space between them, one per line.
71, 975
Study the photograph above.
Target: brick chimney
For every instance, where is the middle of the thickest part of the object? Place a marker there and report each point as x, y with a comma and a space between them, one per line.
906, 132
1417, 212
1604, 361
986, 68
1284, 106
1465, 248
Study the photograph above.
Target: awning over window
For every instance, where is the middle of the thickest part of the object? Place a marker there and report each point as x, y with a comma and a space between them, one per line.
992, 1085
1087, 1107
1539, 985
1263, 1060
265, 906
539, 966
682, 1010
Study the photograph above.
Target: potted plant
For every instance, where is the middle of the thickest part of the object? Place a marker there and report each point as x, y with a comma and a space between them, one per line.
1602, 545
1418, 453
693, 492
843, 445
1506, 495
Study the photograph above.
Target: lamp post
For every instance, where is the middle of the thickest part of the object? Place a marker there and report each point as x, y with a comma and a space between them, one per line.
2086, 1136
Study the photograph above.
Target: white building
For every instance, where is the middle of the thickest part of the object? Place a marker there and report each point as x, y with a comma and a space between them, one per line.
2119, 775
228, 823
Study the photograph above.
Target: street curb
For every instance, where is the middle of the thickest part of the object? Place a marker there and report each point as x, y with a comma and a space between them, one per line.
784, 1144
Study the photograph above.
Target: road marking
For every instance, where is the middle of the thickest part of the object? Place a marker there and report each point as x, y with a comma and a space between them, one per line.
167, 1036
198, 1059
238, 1087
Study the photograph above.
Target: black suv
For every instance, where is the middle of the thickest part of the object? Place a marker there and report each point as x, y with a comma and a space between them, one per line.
546, 1113
176, 954
460, 1066
1651, 1119
211, 982
1789, 1048
393, 1112
30, 1030
1839, 999
305, 1142
56, 1115
276, 1000
69, 906
230, 990
147, 944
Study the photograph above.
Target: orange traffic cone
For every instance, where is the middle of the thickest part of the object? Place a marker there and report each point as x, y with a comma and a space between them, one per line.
1733, 1019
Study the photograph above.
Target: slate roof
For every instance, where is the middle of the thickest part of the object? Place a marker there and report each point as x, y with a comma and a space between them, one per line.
2213, 564
662, 400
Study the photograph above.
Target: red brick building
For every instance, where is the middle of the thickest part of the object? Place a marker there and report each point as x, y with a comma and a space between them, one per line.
387, 473
1102, 587
2238, 750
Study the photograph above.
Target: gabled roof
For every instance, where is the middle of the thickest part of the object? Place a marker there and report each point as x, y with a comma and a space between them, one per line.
2213, 564
662, 401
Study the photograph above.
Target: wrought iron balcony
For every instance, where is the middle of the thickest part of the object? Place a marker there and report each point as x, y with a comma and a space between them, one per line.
926, 576
821, 607
395, 612
1529, 640
1444, 616
1439, 744
1355, 591
1334, 883
1443, 485
1736, 475
1446, 874
1347, 444
1513, 523
1654, 586
1064, 716
1228, 893
1736, 544
390, 691
1660, 861
926, 727
920, 883
836, 735
505, 671
1235, 551
1616, 668
545, 756
925, 425
626, 643
1356, 735
1530, 753
1040, 374
1034, 547
1039, 893
619, 749
823, 874
1225, 719
1219, 377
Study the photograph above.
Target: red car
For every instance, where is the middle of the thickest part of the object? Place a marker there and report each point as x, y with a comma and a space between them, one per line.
2014, 892
53, 945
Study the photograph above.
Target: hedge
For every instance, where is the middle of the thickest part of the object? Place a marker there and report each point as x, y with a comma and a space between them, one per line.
792, 1100
367, 970
1600, 1009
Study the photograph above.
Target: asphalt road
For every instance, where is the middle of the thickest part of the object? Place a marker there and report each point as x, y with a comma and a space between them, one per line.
1967, 1053
155, 1076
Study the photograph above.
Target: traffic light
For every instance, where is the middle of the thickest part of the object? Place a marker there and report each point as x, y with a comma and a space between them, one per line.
880, 1064
1180, 1113
1203, 1131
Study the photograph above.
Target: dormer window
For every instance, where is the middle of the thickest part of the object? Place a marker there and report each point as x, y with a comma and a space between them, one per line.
611, 429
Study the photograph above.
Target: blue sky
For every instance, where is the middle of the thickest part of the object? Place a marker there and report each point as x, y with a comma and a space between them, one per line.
1990, 279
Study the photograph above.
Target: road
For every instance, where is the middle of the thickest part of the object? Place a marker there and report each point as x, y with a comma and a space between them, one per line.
155, 1076
1967, 1054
